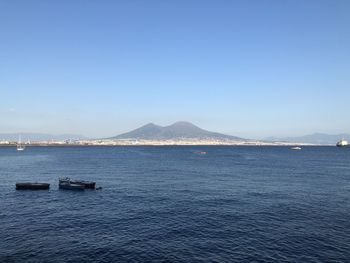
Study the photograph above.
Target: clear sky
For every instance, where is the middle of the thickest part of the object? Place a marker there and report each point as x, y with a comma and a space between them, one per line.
246, 68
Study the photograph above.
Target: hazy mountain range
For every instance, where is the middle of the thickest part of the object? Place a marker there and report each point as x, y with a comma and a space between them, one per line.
178, 130
316, 138
39, 137
187, 130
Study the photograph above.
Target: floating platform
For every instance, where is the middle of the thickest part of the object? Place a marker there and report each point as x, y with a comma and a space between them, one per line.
32, 186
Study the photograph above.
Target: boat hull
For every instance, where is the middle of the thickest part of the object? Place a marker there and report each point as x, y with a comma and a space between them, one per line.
86, 184
32, 186
69, 186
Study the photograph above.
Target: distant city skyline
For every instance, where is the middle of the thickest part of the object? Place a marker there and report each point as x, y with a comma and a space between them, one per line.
251, 69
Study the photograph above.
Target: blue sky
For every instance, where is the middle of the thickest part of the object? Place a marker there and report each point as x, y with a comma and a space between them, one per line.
247, 68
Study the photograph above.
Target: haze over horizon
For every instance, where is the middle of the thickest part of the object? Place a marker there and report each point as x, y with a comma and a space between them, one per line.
251, 69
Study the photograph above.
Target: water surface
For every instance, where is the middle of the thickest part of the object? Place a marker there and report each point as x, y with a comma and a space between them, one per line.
266, 204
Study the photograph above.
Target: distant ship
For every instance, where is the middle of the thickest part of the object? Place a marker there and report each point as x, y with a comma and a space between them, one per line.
20, 146
296, 148
342, 143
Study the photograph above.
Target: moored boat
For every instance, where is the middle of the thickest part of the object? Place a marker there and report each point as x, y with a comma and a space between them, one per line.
32, 186
70, 186
66, 184
86, 184
63, 180
20, 146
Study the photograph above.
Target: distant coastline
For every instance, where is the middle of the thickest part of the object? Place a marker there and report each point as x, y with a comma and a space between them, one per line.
178, 133
175, 142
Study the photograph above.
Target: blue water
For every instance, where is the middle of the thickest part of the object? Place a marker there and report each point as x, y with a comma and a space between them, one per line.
168, 204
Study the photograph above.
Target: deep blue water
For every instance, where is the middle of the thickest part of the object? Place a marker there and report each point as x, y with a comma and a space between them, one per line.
234, 204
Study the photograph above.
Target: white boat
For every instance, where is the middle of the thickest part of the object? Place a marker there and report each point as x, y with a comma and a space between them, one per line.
20, 146
65, 183
296, 148
342, 143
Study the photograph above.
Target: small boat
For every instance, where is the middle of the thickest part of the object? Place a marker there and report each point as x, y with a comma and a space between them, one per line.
86, 184
20, 146
296, 148
201, 152
70, 186
64, 180
342, 143
66, 184
32, 186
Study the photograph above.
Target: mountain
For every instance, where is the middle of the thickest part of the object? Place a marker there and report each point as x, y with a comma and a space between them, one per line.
39, 137
178, 130
316, 138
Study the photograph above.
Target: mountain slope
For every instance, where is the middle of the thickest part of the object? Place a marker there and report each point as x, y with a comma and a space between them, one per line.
178, 130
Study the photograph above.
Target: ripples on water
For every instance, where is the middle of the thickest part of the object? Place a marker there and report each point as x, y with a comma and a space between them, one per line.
266, 204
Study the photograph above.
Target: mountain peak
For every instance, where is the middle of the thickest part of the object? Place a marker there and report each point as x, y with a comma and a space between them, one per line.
150, 125
177, 130
183, 124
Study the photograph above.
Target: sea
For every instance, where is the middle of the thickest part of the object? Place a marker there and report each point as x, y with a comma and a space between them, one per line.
177, 204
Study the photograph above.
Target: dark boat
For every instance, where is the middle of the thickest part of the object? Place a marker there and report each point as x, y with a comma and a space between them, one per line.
70, 186
86, 184
32, 186
67, 184
63, 180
